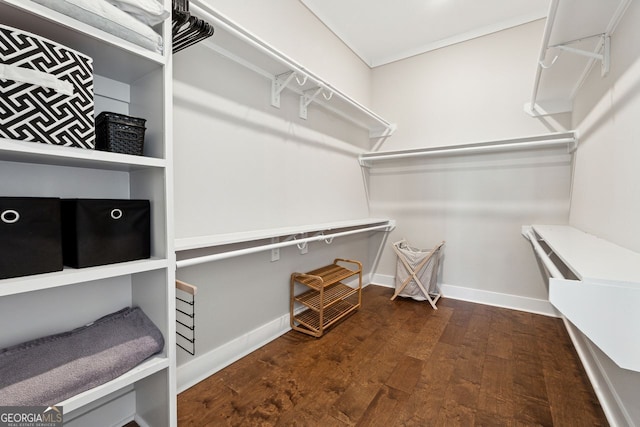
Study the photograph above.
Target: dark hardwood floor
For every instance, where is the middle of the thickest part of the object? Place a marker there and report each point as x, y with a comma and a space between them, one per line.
400, 363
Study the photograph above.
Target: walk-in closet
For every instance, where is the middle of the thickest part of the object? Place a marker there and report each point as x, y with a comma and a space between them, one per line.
306, 212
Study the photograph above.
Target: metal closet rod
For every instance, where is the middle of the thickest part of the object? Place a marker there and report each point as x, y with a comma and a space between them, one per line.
551, 17
230, 254
233, 28
549, 265
550, 140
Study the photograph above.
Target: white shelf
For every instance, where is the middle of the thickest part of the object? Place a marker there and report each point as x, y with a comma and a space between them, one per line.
590, 257
37, 153
145, 79
145, 369
576, 24
70, 276
113, 57
603, 302
235, 43
189, 243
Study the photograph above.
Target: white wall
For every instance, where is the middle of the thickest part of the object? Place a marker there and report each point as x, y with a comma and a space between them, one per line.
469, 92
291, 28
243, 165
606, 194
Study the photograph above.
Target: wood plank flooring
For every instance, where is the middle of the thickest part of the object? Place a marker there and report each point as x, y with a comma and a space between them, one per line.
401, 363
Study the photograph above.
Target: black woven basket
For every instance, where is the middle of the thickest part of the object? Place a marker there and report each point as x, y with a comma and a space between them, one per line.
119, 133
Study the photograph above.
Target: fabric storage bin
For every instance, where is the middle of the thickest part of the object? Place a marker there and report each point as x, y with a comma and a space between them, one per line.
46, 91
119, 133
30, 241
104, 231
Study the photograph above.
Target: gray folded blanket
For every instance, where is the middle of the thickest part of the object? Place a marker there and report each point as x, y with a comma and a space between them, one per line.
48, 370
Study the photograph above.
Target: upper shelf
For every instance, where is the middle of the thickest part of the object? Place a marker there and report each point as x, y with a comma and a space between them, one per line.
575, 39
603, 301
237, 44
37, 153
113, 57
189, 243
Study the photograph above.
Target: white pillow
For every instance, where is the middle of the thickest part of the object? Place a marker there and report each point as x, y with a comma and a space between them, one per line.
150, 12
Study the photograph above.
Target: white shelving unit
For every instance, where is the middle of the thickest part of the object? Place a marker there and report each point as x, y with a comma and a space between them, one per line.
42, 304
600, 291
576, 37
235, 43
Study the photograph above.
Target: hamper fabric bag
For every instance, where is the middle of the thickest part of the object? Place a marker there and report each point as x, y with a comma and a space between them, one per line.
46, 91
30, 240
105, 231
417, 272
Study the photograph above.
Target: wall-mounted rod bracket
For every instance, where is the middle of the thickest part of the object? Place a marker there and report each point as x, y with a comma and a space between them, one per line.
307, 98
604, 57
275, 252
278, 83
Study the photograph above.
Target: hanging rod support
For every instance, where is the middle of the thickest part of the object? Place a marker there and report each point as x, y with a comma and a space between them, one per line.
307, 98
278, 83
604, 57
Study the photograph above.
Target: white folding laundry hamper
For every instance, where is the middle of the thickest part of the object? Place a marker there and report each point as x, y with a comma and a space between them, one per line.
417, 272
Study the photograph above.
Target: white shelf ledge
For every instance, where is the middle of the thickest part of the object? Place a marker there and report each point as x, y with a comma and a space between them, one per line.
603, 301
189, 243
71, 276
237, 44
292, 236
112, 56
144, 370
574, 40
37, 153
561, 139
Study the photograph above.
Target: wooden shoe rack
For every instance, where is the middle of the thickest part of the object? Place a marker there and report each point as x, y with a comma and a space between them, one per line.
327, 299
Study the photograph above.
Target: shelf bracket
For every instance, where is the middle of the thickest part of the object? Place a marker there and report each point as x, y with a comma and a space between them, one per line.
278, 84
307, 98
604, 57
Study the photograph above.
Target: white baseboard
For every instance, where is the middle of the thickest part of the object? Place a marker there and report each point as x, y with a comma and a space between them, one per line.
514, 302
207, 364
612, 406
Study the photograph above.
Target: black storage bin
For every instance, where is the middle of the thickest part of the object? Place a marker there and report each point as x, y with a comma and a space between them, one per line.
119, 133
30, 241
105, 231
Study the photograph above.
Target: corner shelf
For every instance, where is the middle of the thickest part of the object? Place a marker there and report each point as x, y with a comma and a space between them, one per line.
237, 44
603, 297
575, 34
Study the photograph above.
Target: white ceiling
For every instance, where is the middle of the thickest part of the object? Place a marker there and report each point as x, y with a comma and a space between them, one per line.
383, 31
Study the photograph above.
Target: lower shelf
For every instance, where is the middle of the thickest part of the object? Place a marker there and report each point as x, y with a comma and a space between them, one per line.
309, 320
145, 369
332, 294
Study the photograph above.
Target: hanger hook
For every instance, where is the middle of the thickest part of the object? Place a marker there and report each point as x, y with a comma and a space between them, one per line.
300, 246
327, 97
304, 80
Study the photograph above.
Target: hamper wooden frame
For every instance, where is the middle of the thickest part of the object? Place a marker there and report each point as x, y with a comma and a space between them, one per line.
413, 272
